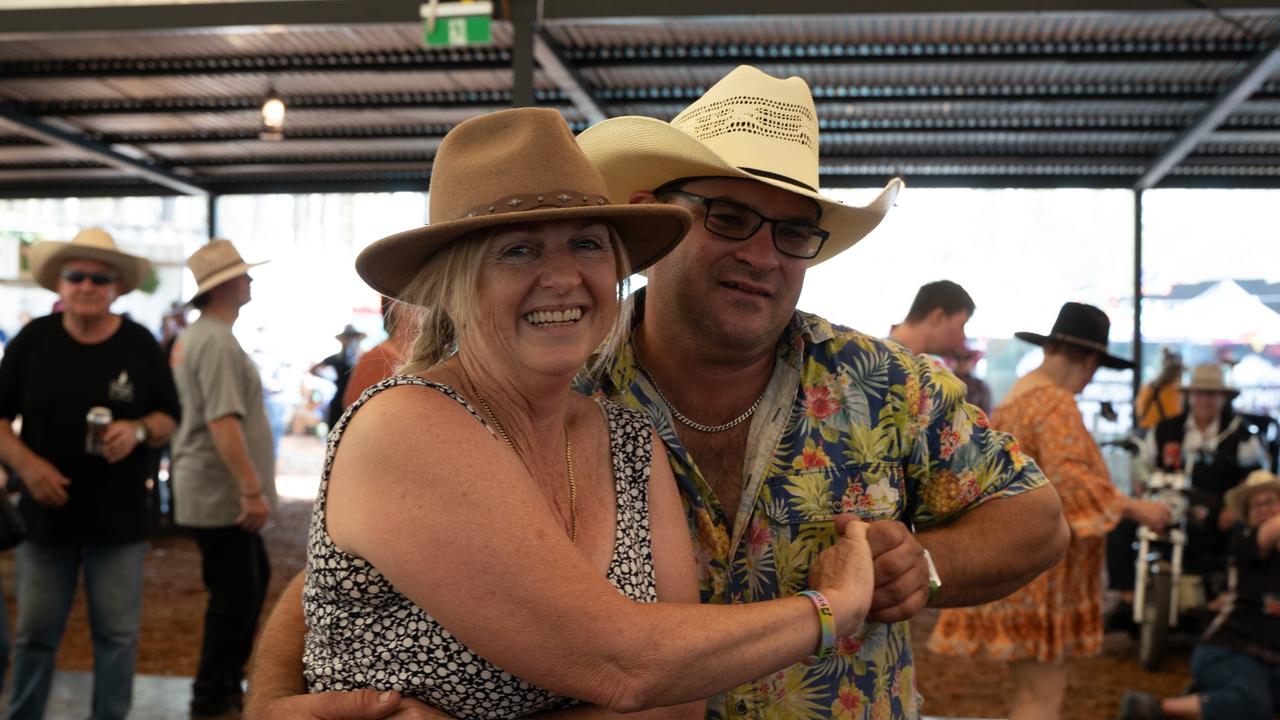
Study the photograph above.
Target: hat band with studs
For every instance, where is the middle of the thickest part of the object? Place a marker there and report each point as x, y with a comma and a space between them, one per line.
1100, 347
534, 201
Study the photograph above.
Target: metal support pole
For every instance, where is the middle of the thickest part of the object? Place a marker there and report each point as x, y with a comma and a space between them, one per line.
524, 19
1137, 301
212, 209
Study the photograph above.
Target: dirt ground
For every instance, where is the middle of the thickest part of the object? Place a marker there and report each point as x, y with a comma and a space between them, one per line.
175, 598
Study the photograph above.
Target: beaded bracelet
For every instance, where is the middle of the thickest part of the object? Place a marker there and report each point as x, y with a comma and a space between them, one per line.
826, 620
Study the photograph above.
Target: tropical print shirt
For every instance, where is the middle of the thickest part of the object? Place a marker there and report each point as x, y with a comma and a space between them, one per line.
849, 423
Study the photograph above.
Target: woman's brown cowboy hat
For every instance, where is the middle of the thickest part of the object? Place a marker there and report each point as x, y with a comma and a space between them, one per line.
749, 125
47, 258
1083, 326
508, 167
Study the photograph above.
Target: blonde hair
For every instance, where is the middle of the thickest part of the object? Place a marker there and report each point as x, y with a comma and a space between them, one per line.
446, 286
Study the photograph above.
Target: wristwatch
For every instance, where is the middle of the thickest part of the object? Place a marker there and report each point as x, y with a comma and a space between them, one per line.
935, 582
140, 432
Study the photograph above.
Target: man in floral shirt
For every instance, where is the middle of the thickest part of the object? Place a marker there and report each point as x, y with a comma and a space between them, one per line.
776, 421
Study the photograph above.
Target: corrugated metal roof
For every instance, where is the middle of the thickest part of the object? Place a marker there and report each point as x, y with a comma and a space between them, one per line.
1019, 98
969, 28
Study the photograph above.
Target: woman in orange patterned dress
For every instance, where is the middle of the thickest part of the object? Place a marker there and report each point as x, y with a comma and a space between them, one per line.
1059, 614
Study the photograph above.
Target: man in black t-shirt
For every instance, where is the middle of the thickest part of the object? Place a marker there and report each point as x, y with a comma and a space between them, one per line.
1236, 667
83, 499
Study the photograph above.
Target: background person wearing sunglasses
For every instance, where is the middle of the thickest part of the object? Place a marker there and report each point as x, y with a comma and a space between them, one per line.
82, 509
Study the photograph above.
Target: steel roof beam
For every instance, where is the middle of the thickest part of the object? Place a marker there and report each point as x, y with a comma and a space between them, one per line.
263, 14
452, 60
1099, 51
936, 93
640, 10
479, 100
680, 96
553, 59
962, 161
1009, 127
247, 16
44, 132
1260, 68
561, 71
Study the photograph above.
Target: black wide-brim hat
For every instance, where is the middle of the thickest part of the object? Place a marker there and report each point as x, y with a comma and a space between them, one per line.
1083, 326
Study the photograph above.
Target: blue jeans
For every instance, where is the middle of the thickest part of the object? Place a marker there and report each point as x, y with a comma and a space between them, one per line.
1233, 685
4, 637
46, 585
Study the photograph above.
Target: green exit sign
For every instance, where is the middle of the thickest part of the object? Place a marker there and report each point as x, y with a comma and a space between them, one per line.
450, 24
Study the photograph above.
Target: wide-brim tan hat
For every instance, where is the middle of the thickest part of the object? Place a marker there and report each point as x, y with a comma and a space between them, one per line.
509, 167
750, 125
47, 258
215, 263
1208, 377
1237, 498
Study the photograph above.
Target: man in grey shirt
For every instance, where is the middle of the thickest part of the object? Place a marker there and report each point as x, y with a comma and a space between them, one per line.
223, 474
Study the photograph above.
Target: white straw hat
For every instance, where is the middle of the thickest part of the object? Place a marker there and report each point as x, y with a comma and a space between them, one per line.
47, 258
749, 125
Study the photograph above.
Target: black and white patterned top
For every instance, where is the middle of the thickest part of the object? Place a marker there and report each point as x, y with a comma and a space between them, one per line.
362, 633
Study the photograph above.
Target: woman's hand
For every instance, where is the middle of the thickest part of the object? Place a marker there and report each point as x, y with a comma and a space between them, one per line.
845, 574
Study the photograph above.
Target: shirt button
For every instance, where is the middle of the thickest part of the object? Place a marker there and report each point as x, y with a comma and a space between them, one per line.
741, 707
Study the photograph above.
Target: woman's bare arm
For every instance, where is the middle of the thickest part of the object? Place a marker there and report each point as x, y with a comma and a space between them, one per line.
518, 592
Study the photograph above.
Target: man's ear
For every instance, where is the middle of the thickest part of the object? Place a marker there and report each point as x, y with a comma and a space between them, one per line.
936, 316
642, 197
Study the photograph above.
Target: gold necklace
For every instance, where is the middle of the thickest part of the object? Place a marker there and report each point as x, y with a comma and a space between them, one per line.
697, 425
568, 462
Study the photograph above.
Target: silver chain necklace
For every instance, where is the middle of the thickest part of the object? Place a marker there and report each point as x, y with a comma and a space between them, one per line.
697, 425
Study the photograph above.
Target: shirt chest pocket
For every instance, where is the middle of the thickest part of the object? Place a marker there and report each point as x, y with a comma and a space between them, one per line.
872, 490
802, 504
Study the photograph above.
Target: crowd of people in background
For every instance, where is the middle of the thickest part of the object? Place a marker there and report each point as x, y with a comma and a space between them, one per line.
699, 444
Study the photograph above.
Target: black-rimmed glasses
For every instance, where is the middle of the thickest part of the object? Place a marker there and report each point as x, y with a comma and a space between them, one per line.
732, 221
75, 277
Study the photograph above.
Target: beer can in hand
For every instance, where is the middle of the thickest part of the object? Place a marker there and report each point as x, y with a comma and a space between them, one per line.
96, 423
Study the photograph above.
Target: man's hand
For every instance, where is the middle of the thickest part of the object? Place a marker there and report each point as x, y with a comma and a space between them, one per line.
253, 512
46, 485
902, 575
119, 440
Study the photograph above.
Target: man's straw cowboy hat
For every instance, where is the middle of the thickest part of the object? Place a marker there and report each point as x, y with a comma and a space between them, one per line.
48, 257
508, 167
749, 125
216, 263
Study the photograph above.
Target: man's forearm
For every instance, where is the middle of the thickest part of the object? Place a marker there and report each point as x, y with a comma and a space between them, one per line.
13, 452
997, 547
160, 427
228, 438
276, 670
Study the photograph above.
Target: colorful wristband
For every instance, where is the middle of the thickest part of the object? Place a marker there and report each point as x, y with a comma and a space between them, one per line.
826, 619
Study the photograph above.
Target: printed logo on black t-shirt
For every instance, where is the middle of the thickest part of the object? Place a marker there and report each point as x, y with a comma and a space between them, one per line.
120, 389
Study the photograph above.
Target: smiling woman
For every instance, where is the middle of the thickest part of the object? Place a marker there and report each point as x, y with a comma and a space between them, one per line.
482, 480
